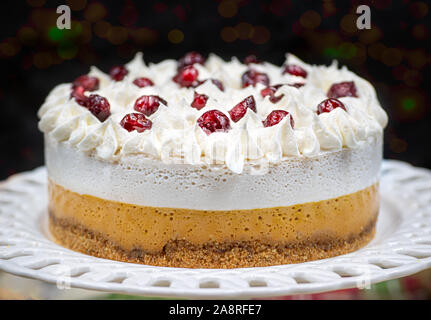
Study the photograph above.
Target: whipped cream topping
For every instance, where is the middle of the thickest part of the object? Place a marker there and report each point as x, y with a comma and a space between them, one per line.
175, 136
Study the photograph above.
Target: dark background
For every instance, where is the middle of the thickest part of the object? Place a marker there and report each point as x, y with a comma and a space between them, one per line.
35, 56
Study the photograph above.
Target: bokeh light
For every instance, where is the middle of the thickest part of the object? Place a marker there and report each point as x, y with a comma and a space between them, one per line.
410, 104
391, 57
418, 9
95, 12
420, 32
67, 50
129, 15
369, 36
417, 58
227, 9
35, 3
328, 8
27, 36
375, 50
348, 24
42, 60
175, 36
228, 34
117, 35
10, 47
260, 35
76, 5
310, 19
412, 78
244, 30
101, 28
180, 12
144, 36
160, 7
280, 7
398, 145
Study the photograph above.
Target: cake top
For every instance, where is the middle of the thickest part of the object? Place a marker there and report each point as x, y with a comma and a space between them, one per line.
214, 112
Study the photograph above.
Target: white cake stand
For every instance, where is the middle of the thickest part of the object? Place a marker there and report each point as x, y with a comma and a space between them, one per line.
402, 246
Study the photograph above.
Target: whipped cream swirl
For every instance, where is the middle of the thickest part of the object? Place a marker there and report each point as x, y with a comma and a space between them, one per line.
175, 136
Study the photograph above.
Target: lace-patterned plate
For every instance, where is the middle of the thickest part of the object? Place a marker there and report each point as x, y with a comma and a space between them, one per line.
402, 246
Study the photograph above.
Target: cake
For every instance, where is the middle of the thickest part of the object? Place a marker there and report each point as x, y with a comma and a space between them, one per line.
207, 163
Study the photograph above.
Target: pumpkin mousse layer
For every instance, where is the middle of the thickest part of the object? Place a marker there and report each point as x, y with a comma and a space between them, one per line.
212, 239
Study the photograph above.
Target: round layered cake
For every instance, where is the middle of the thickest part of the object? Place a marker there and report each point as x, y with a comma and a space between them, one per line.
206, 163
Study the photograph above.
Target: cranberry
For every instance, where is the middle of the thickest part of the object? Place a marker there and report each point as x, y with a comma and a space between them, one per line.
275, 117
199, 101
99, 107
79, 96
136, 121
252, 77
218, 84
270, 91
251, 59
149, 104
187, 77
342, 89
118, 73
214, 121
190, 59
143, 82
237, 112
295, 70
87, 82
329, 104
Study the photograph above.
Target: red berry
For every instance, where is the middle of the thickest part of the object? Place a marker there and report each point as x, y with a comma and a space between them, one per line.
136, 121
214, 121
295, 70
199, 101
252, 77
275, 117
342, 89
329, 104
79, 96
190, 59
251, 59
270, 91
237, 112
87, 82
99, 107
118, 73
143, 82
187, 77
218, 84
149, 104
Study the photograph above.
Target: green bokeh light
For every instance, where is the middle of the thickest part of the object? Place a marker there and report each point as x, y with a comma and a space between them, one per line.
60, 35
67, 50
345, 50
331, 52
408, 104
56, 34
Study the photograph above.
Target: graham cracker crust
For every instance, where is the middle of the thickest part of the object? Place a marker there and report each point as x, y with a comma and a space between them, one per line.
232, 254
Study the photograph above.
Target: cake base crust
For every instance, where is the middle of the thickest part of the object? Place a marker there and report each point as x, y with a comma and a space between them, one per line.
183, 254
212, 239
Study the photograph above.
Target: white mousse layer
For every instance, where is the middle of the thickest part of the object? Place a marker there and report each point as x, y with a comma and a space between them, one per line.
141, 181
